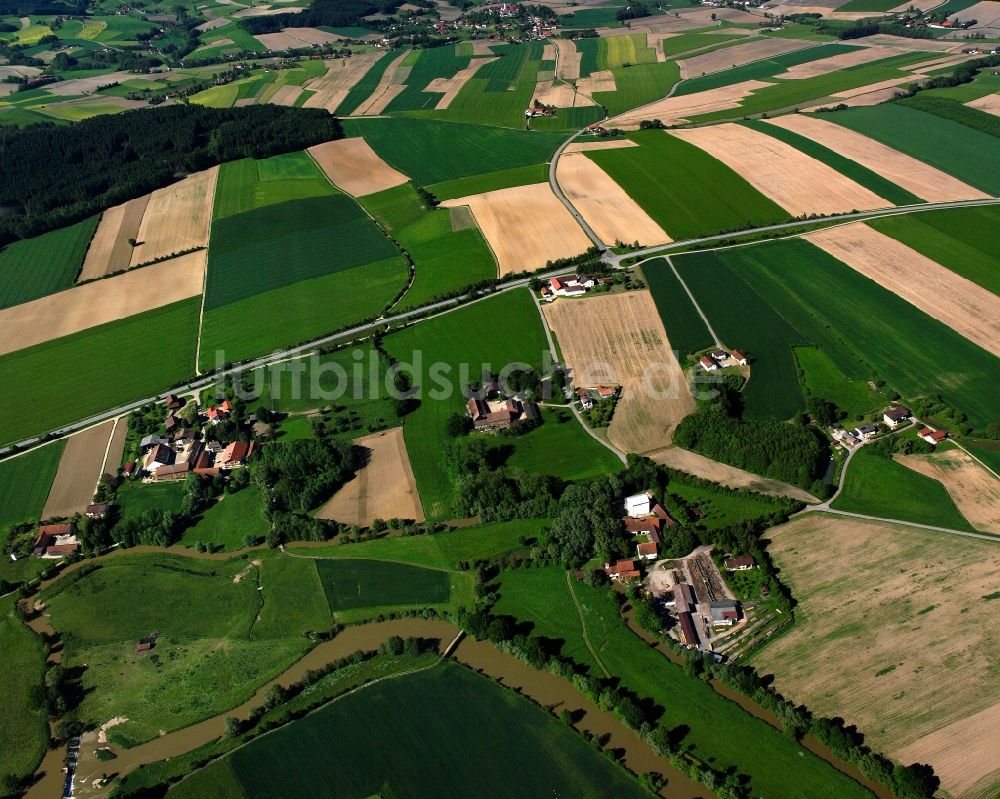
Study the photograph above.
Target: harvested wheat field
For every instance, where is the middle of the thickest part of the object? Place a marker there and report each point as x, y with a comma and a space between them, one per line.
101, 301
560, 95
567, 60
588, 146
549, 52
526, 226
915, 176
990, 104
286, 95
893, 634
110, 250
795, 181
386, 91
737, 55
610, 212
80, 467
116, 446
340, 77
872, 94
975, 490
685, 460
603, 81
450, 87
352, 165
482, 47
964, 306
293, 38
824, 66
383, 488
678, 110
177, 218
619, 339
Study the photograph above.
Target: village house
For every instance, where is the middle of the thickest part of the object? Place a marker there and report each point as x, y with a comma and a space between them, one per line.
97, 510
932, 436
173, 471
607, 392
866, 431
639, 505
647, 550
571, 285
56, 541
683, 597
158, 456
724, 613
586, 402
540, 111
719, 355
707, 364
740, 563
739, 357
622, 571
146, 442
173, 402
500, 414
689, 635
219, 413
234, 456
896, 415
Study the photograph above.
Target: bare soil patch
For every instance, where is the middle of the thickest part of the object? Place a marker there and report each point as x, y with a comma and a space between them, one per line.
291, 38
603, 81
691, 462
737, 55
986, 13
386, 90
77, 86
383, 488
526, 226
654, 42
675, 110
915, 176
975, 490
862, 55
116, 446
964, 306
177, 218
893, 634
567, 60
267, 11
611, 213
619, 339
450, 87
560, 95
80, 467
286, 95
797, 182
352, 165
587, 146
102, 301
482, 47
341, 75
990, 104
110, 250
904, 43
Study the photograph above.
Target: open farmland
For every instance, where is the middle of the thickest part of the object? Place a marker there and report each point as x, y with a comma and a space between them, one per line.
463, 339
333, 88
110, 250
526, 226
383, 487
57, 382
25, 481
886, 614
380, 94
353, 166
366, 586
822, 378
682, 188
681, 108
685, 327
80, 467
799, 184
474, 721
975, 491
957, 302
93, 304
32, 268
738, 54
425, 66
618, 339
176, 218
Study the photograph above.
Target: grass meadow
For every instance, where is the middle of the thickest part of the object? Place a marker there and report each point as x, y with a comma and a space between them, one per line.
948, 108
350, 584
482, 734
686, 191
822, 378
685, 328
494, 332
232, 517
881, 487
25, 481
637, 85
32, 268
135, 498
66, 379
24, 730
490, 181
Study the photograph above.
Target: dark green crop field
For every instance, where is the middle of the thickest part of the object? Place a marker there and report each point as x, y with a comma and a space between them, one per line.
351, 584
25, 482
433, 62
383, 741
32, 268
686, 191
685, 328
363, 89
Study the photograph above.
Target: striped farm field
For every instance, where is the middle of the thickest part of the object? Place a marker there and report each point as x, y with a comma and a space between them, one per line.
363, 89
431, 63
248, 184
25, 481
32, 268
686, 191
685, 327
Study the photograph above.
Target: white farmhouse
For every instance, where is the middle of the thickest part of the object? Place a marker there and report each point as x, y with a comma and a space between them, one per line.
639, 504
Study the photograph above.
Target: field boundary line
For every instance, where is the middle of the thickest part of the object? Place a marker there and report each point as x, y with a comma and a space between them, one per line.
380, 560
694, 302
971, 455
903, 523
583, 625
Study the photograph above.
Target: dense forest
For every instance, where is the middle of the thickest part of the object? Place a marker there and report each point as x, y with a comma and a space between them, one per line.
56, 175
24, 8
333, 13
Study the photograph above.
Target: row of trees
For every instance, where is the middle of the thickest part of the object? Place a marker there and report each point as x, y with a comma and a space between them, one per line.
333, 13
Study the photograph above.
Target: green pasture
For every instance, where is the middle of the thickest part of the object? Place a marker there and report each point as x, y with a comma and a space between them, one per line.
986, 451
822, 378
135, 498
66, 379
226, 522
882, 487
686, 191
950, 146
217, 96
25, 481
490, 181
24, 729
956, 111
364, 585
33, 268
962, 239
637, 85
721, 508
685, 328
851, 169
432, 151
481, 731
247, 185
494, 332
750, 325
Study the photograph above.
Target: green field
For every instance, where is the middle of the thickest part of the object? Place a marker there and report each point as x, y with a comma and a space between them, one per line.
231, 518
696, 40
32, 268
882, 487
135, 498
956, 111
859, 174
248, 184
686, 191
480, 731
685, 328
750, 325
468, 337
66, 379
24, 730
432, 151
950, 146
962, 239
866, 330
350, 584
25, 481
213, 650
428, 64
490, 181
987, 451
363, 89
638, 85
822, 378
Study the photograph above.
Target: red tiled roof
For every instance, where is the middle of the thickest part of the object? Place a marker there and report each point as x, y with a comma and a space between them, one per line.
646, 548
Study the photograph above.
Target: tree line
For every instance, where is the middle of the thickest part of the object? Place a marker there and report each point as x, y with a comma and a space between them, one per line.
333, 13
